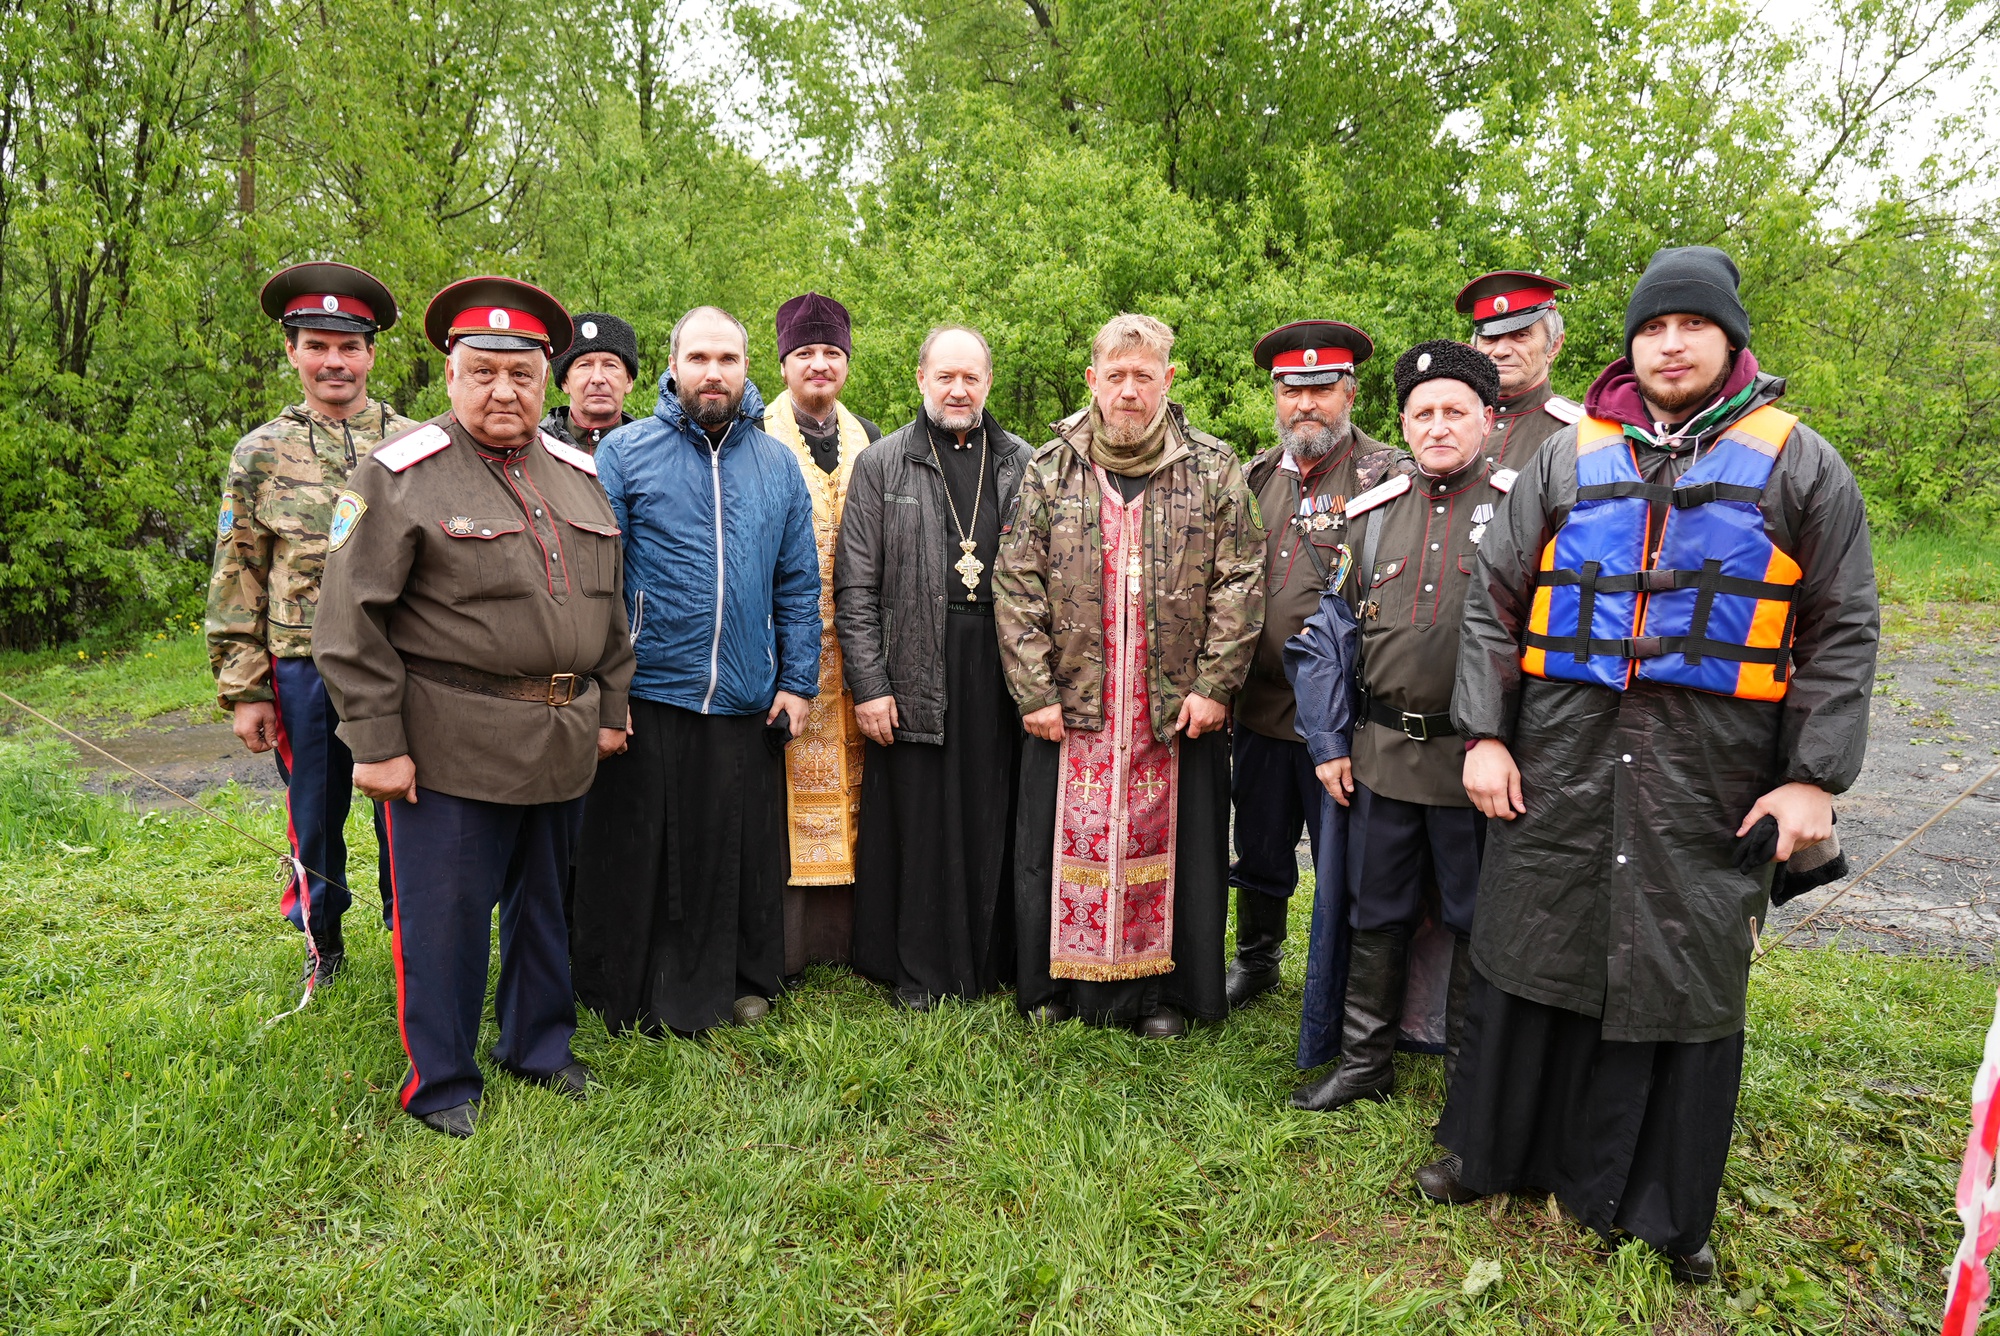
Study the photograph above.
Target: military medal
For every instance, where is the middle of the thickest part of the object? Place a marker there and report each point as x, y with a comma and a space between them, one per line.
1482, 515
458, 526
969, 567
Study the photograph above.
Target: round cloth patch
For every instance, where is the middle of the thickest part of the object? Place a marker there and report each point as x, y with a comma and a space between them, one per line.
590, 329
348, 509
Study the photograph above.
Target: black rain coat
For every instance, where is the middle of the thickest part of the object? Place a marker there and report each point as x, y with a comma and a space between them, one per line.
1614, 895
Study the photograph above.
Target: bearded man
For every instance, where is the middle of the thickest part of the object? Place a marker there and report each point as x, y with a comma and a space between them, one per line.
1668, 650
680, 883
1302, 485
1130, 589
823, 769
1515, 321
933, 901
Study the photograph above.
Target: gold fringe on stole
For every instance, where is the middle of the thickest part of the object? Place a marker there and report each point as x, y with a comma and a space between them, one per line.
823, 764
1092, 972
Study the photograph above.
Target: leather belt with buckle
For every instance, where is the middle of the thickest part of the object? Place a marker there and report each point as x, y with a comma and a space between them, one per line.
1419, 727
557, 690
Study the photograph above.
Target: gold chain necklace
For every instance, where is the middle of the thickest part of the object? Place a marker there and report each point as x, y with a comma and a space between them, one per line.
967, 566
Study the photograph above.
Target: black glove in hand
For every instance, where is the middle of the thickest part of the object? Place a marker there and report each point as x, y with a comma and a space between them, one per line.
1759, 847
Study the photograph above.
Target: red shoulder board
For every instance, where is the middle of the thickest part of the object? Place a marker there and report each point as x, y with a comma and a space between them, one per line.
1563, 410
569, 455
1375, 496
405, 450
1502, 480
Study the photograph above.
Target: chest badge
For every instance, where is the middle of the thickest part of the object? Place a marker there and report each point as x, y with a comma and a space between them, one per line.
458, 526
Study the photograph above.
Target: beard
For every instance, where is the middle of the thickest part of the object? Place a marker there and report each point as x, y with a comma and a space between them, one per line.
709, 415
1312, 438
1671, 401
1123, 433
948, 419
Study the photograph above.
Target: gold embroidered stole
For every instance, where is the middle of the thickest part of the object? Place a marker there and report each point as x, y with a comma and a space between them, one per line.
823, 764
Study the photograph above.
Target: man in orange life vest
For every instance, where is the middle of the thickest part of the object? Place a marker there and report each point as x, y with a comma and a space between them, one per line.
1668, 651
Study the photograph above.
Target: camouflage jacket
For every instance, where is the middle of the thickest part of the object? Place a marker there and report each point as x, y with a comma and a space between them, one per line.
270, 541
1204, 549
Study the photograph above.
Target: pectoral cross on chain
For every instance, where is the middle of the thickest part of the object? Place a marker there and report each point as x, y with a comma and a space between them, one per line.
969, 566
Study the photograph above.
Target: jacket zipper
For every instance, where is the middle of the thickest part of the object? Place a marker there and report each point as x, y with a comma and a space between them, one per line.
715, 641
639, 617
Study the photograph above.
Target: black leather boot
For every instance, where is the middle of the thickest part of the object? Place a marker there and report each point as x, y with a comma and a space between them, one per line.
1260, 946
332, 955
1377, 969
1454, 1006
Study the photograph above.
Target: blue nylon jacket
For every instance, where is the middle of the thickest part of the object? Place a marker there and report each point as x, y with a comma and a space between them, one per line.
666, 486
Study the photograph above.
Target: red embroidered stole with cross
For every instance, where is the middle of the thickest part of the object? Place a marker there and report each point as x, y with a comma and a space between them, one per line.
1113, 910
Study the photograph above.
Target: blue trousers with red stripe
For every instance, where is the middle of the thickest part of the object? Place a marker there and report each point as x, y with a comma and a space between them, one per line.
452, 860
318, 771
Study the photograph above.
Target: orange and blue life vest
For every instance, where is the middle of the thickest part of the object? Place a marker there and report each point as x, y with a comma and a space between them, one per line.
1712, 608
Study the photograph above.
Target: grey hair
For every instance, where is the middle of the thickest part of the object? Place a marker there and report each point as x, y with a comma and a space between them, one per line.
939, 331
1552, 326
674, 341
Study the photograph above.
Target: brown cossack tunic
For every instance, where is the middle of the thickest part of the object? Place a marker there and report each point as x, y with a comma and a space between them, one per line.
504, 562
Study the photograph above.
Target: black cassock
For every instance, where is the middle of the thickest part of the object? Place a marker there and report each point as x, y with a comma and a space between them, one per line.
681, 872
933, 886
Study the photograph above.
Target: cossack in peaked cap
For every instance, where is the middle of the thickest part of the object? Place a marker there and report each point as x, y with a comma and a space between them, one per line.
498, 314
597, 332
812, 318
1443, 359
1508, 299
1313, 352
324, 294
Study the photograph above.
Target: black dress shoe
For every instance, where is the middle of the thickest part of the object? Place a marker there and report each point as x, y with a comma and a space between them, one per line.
1342, 1089
912, 1000
1166, 1023
1438, 1180
1695, 1268
330, 964
456, 1121
1049, 1013
750, 1010
573, 1080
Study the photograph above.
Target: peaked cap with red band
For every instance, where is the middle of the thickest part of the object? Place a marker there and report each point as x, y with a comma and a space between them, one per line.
1507, 300
1313, 352
499, 314
326, 295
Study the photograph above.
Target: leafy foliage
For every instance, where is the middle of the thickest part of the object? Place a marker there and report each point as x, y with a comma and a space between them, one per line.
1029, 166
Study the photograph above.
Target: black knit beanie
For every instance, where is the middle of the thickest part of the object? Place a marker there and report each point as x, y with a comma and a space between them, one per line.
1689, 280
1442, 359
597, 332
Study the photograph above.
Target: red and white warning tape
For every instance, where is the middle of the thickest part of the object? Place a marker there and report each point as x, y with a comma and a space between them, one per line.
1978, 1195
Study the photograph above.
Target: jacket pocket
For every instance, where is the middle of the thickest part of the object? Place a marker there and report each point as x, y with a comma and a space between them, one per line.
594, 558
484, 559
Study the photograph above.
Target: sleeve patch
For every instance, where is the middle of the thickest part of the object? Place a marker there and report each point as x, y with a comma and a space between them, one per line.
411, 447
1375, 496
348, 508
225, 521
569, 455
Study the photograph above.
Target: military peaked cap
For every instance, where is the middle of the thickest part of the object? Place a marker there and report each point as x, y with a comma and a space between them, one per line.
1313, 352
327, 295
1507, 300
498, 314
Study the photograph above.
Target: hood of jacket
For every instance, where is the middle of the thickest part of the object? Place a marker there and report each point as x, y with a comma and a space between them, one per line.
1614, 396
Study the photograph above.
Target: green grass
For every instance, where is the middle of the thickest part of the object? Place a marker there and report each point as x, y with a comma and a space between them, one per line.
170, 1160
1946, 567
111, 689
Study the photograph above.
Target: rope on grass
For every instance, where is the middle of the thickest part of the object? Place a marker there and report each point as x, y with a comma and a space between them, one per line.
289, 864
1900, 845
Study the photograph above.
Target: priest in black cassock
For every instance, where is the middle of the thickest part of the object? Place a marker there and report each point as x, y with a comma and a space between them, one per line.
913, 600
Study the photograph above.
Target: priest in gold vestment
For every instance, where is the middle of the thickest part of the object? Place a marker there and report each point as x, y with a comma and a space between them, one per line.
823, 765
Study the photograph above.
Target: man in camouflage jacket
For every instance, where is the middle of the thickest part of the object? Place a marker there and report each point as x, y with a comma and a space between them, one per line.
1133, 542
271, 540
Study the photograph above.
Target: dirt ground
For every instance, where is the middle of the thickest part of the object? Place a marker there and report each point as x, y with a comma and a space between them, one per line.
1934, 729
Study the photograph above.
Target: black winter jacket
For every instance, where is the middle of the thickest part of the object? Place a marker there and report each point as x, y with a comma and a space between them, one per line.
890, 570
1615, 895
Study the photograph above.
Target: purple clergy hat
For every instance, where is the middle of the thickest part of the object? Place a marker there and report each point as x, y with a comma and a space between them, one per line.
811, 318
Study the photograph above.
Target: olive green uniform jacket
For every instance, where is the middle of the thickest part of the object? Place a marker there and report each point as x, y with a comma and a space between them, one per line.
502, 562
1523, 424
1204, 573
1293, 580
270, 540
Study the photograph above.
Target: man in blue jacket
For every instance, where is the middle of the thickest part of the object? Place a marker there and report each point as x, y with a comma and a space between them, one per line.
680, 882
